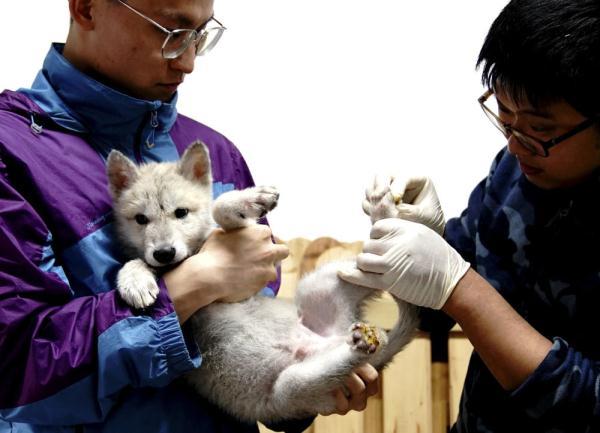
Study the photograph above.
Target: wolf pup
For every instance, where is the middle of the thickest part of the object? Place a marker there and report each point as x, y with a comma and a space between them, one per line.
264, 359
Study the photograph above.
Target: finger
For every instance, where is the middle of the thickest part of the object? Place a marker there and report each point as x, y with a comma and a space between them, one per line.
279, 252
357, 389
413, 188
398, 188
386, 226
409, 212
355, 385
373, 263
342, 404
356, 276
370, 378
375, 246
260, 231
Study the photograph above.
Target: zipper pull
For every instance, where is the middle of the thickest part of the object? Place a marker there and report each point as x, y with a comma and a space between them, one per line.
154, 119
35, 128
154, 125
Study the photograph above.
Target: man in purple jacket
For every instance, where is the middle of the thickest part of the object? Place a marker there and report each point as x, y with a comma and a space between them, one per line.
74, 356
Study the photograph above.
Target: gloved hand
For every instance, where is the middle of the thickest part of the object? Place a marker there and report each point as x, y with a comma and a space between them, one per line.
410, 261
410, 198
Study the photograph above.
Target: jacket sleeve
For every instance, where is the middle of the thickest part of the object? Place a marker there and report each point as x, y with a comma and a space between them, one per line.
64, 358
563, 392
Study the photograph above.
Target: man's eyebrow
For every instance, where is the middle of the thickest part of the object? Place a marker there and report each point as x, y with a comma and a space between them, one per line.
529, 111
183, 21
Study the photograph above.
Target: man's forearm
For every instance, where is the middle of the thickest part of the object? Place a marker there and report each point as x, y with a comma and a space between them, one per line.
510, 347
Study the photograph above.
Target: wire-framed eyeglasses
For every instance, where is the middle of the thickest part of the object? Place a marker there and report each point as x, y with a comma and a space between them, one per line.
177, 41
534, 145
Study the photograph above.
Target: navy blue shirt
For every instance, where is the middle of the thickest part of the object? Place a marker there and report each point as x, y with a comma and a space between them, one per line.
539, 249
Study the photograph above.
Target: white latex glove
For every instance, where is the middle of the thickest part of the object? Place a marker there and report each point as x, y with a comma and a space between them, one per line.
410, 261
411, 198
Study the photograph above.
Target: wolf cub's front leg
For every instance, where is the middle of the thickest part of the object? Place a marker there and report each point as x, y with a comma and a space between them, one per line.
240, 208
136, 283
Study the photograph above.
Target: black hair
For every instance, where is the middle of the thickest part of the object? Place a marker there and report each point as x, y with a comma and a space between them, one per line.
544, 51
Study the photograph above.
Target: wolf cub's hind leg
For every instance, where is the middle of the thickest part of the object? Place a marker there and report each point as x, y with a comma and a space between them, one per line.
307, 385
136, 283
240, 208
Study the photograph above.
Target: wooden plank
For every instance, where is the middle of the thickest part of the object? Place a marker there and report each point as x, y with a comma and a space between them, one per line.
439, 397
459, 353
352, 422
290, 267
407, 389
373, 414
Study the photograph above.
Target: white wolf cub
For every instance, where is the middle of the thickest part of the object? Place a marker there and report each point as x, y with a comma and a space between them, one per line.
263, 359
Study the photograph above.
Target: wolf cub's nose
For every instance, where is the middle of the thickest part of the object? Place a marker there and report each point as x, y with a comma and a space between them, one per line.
164, 255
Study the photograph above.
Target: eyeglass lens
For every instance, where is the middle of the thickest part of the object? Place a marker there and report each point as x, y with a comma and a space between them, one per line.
529, 143
178, 41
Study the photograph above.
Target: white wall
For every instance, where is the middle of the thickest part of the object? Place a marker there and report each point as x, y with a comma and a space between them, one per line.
321, 94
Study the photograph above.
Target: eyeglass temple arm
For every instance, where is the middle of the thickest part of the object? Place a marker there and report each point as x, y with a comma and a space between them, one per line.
145, 17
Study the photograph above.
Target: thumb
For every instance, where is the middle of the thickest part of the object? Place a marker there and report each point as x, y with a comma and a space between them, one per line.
415, 187
360, 278
410, 212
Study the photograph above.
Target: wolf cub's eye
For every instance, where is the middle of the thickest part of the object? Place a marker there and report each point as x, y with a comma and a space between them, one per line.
141, 219
181, 212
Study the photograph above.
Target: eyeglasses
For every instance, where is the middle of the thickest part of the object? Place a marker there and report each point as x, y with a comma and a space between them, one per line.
534, 145
177, 41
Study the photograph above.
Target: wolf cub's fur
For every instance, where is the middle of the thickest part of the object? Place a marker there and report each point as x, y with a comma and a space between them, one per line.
263, 359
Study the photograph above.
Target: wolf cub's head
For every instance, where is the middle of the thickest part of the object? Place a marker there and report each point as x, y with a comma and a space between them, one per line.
162, 210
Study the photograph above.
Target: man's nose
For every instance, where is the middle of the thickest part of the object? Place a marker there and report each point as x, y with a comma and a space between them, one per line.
185, 62
515, 147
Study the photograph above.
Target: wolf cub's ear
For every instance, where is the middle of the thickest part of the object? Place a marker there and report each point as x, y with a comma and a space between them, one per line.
121, 172
195, 164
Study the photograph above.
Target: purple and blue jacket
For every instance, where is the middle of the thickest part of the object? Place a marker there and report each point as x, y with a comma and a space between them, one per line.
73, 356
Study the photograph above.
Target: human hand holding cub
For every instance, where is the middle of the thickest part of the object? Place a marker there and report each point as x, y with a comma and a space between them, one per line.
231, 266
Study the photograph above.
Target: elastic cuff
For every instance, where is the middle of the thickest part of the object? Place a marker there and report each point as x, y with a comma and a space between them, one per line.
182, 353
537, 394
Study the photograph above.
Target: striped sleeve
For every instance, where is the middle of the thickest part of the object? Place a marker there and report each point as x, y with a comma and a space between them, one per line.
65, 359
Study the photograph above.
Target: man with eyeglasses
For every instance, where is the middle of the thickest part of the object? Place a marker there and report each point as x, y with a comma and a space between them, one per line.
75, 358
519, 270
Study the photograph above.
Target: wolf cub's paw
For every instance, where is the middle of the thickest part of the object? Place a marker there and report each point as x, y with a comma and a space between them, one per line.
379, 201
366, 338
235, 209
136, 284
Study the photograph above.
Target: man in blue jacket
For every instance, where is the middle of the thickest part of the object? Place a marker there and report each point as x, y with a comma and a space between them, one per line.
74, 356
530, 299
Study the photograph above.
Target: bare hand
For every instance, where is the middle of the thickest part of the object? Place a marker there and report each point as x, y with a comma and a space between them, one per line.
230, 267
244, 261
361, 384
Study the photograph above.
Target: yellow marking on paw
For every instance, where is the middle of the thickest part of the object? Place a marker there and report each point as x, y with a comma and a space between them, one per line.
369, 333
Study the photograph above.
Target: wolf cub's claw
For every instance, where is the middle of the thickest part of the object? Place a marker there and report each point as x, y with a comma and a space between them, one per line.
235, 209
364, 337
379, 201
260, 200
137, 285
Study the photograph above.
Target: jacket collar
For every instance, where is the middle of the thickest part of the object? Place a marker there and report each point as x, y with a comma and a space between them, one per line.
77, 102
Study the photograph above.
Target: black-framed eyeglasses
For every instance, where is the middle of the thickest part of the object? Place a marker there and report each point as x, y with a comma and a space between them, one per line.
177, 41
534, 145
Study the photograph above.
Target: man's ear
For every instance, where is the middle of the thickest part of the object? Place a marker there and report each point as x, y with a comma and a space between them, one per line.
121, 173
195, 164
81, 13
